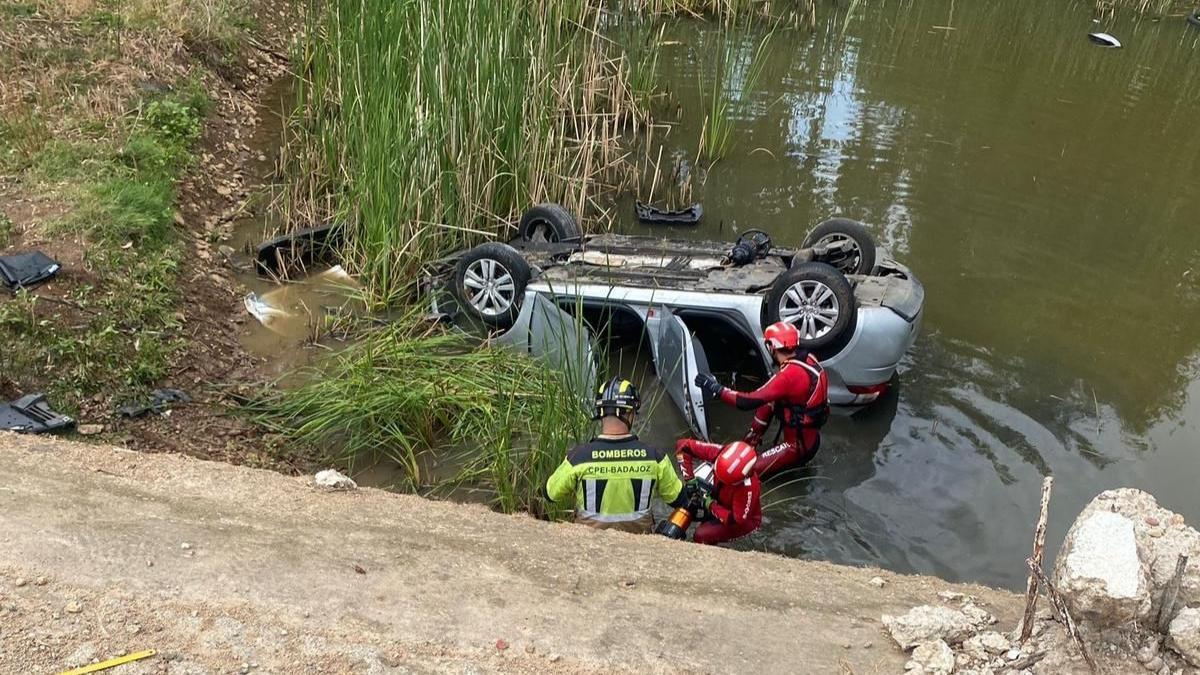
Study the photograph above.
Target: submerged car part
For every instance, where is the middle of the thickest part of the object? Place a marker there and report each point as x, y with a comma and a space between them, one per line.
489, 280
750, 246
859, 320
656, 216
32, 415
289, 252
817, 299
843, 243
548, 223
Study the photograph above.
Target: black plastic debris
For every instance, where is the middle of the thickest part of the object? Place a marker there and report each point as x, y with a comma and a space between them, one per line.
23, 270
160, 400
1104, 40
295, 250
32, 415
656, 216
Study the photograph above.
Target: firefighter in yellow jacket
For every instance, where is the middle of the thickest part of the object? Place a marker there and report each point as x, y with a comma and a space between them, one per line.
612, 477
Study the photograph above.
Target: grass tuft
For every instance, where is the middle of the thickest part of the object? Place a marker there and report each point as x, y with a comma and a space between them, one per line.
444, 408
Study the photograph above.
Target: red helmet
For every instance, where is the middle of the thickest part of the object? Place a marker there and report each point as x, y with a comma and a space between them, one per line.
781, 335
735, 463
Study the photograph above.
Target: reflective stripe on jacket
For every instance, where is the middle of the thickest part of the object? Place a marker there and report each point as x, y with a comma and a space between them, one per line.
612, 480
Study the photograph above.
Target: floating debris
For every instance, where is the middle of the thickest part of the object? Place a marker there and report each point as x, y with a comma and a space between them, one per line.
295, 250
656, 216
1104, 40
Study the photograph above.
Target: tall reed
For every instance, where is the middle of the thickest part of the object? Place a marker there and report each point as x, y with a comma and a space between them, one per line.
736, 76
432, 124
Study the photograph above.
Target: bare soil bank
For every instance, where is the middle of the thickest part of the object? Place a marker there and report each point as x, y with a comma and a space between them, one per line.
225, 569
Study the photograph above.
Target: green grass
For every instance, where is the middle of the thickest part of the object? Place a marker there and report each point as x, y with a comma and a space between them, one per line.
115, 334
447, 410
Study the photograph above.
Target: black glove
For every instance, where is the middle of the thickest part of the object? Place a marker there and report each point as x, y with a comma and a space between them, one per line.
709, 385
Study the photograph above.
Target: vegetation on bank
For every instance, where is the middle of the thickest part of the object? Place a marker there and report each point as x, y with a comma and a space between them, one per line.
98, 117
447, 410
428, 126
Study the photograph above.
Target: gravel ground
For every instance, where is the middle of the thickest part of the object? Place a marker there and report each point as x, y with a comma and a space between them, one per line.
224, 569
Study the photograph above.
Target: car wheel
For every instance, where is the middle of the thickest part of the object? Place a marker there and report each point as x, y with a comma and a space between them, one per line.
548, 223
817, 299
860, 256
489, 283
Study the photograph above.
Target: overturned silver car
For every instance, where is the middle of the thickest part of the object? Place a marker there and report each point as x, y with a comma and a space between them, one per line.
858, 310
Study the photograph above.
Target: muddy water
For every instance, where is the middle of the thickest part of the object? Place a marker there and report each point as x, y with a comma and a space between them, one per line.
1046, 192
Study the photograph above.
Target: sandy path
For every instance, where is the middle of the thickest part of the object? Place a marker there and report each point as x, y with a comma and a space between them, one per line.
227, 569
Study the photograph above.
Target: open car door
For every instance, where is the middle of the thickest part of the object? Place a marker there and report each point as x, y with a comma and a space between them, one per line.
678, 358
546, 332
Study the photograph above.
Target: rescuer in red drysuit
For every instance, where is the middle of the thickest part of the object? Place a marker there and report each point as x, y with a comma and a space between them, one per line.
734, 508
798, 394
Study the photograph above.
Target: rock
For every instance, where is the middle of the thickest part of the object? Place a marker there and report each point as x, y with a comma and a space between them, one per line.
1147, 652
19, 583
928, 623
986, 644
1184, 635
951, 596
41, 581
1162, 536
877, 582
331, 479
82, 655
978, 616
1154, 665
185, 546
934, 657
73, 607
1100, 571
89, 429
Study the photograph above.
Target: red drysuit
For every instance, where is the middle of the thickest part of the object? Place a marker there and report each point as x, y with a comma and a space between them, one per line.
798, 394
736, 510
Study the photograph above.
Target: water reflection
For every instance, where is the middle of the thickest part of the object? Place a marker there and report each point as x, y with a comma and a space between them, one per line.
1044, 190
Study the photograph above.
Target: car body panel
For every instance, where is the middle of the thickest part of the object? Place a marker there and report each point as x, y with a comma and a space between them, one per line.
548, 333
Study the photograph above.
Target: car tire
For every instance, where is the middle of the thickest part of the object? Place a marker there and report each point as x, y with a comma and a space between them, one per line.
817, 299
548, 223
489, 283
836, 229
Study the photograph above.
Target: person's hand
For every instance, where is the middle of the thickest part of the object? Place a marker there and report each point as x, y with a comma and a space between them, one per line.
709, 384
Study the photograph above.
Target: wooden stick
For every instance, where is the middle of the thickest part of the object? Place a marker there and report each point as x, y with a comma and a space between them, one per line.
1171, 595
1060, 607
1039, 549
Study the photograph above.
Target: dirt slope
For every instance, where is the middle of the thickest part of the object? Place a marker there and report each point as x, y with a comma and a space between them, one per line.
228, 569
